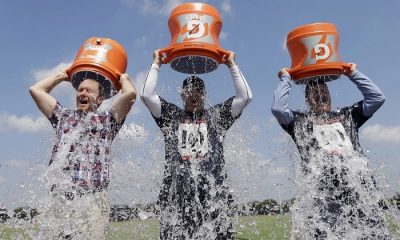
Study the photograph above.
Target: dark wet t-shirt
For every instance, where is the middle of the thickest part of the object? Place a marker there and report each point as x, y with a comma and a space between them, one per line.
310, 132
193, 145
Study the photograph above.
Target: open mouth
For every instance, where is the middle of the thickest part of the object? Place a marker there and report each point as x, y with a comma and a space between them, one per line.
83, 101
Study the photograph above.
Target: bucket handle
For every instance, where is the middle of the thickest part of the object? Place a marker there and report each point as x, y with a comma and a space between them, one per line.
164, 54
224, 55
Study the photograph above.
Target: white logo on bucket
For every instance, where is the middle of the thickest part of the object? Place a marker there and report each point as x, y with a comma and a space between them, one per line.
316, 45
318, 49
195, 28
96, 51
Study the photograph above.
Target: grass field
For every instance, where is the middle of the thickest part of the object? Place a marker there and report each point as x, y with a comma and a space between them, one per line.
248, 228
254, 228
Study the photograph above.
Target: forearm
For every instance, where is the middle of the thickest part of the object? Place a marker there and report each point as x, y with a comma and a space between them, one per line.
373, 96
243, 92
148, 95
122, 105
280, 104
128, 90
40, 92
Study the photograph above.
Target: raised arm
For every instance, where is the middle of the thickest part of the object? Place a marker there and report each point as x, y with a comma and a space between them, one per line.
373, 96
148, 94
243, 92
280, 104
122, 105
40, 92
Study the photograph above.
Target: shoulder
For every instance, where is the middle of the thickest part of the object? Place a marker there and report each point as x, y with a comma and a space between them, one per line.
167, 107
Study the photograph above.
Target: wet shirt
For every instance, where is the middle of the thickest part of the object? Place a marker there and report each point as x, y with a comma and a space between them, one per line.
83, 146
333, 132
194, 143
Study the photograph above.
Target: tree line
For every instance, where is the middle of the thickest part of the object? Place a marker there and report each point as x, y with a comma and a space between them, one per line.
150, 211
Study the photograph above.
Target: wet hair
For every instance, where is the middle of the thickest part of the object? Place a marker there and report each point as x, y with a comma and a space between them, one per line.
105, 85
101, 90
193, 82
315, 84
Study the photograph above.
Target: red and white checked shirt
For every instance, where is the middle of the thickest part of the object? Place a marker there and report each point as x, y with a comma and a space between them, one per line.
83, 145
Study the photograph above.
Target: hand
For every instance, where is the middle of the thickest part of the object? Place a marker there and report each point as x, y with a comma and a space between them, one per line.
349, 71
230, 59
63, 75
158, 59
124, 77
283, 72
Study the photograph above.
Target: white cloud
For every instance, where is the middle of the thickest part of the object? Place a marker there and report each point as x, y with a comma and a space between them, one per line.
283, 45
2, 180
64, 92
382, 134
223, 35
24, 124
226, 6
14, 163
140, 42
39, 74
133, 133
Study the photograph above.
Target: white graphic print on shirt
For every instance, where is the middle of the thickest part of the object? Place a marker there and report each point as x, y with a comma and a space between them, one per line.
333, 138
192, 140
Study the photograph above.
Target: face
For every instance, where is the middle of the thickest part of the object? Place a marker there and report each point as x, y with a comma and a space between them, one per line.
193, 99
319, 99
88, 97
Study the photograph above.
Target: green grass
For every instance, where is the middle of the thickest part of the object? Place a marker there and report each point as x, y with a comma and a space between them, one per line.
8, 233
263, 228
249, 228
136, 229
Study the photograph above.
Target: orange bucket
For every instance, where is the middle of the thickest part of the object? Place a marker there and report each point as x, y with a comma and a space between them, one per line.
314, 52
194, 46
101, 59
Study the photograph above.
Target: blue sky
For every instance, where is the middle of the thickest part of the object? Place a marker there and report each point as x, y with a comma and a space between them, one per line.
39, 37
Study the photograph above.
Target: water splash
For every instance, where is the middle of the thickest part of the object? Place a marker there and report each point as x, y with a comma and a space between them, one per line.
338, 195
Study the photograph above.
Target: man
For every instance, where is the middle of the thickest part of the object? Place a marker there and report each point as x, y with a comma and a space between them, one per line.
337, 194
79, 167
194, 197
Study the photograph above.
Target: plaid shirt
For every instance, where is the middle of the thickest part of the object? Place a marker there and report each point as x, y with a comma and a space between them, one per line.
83, 146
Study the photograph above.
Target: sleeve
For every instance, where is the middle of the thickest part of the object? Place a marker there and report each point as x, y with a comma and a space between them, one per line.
357, 114
169, 112
373, 96
225, 116
56, 115
289, 128
148, 95
116, 126
280, 104
243, 92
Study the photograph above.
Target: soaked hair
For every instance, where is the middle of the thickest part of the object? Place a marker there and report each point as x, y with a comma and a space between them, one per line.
101, 90
105, 85
193, 82
310, 86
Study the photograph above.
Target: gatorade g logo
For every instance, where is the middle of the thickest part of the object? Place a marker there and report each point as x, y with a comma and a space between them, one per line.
98, 52
320, 48
195, 27
321, 51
